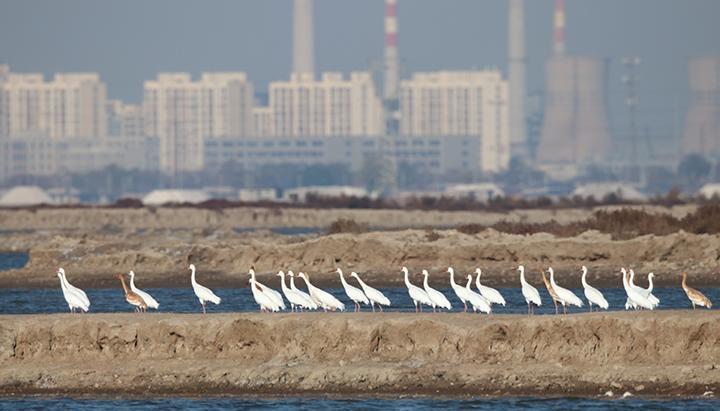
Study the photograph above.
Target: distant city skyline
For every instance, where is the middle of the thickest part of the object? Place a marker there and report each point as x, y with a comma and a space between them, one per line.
130, 42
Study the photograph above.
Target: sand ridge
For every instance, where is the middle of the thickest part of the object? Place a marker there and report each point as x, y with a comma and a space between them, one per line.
224, 257
652, 353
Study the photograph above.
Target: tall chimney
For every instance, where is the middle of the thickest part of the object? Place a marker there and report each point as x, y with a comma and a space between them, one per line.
391, 84
516, 64
559, 37
303, 47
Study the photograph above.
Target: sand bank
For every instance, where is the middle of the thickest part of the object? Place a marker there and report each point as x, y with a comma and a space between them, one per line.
658, 353
223, 257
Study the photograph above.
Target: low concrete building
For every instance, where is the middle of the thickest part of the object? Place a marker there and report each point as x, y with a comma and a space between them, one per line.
300, 194
160, 197
437, 155
599, 191
43, 156
479, 192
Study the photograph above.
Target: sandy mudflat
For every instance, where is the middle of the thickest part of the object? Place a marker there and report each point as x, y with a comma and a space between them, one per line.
648, 353
223, 258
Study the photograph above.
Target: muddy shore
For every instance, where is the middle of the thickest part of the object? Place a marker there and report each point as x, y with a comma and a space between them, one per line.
650, 353
223, 258
159, 244
174, 218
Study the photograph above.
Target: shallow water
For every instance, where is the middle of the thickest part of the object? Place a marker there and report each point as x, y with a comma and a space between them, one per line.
322, 403
182, 299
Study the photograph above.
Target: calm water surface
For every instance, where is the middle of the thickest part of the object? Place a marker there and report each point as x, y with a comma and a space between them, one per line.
183, 300
26, 301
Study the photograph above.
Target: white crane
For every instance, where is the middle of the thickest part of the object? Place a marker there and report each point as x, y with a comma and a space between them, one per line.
490, 294
374, 295
566, 296
478, 302
593, 295
309, 303
531, 294
262, 298
322, 298
80, 293
437, 298
73, 300
635, 298
646, 292
275, 296
292, 296
203, 293
417, 294
461, 292
151, 302
355, 294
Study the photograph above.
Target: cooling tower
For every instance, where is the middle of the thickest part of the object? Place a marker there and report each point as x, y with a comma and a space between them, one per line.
516, 65
575, 130
702, 129
303, 40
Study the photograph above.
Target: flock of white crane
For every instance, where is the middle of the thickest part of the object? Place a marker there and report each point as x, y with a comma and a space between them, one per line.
482, 300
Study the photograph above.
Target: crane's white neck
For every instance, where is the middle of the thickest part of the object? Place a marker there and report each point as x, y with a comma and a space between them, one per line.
522, 276
552, 277
425, 281
469, 282
192, 276
452, 277
407, 279
362, 284
342, 277
650, 281
62, 282
282, 280
625, 279
584, 274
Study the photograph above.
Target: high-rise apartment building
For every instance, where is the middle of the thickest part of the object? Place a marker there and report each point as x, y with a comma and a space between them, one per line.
332, 106
71, 105
182, 112
465, 103
125, 119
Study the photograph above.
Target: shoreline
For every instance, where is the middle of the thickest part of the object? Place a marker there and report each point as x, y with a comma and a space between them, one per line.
661, 354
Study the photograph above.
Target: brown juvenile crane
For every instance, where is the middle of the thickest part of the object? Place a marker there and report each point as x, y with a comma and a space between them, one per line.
550, 290
131, 297
695, 296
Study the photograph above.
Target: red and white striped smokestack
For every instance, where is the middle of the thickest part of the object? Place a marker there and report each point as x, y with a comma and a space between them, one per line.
559, 37
391, 84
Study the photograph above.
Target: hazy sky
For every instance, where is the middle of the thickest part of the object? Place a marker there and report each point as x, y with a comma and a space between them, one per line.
129, 41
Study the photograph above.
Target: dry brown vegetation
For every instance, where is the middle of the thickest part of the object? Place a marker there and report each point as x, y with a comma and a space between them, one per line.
347, 225
620, 224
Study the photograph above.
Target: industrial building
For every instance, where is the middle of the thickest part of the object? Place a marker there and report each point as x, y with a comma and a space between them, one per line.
44, 156
575, 132
438, 155
702, 129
